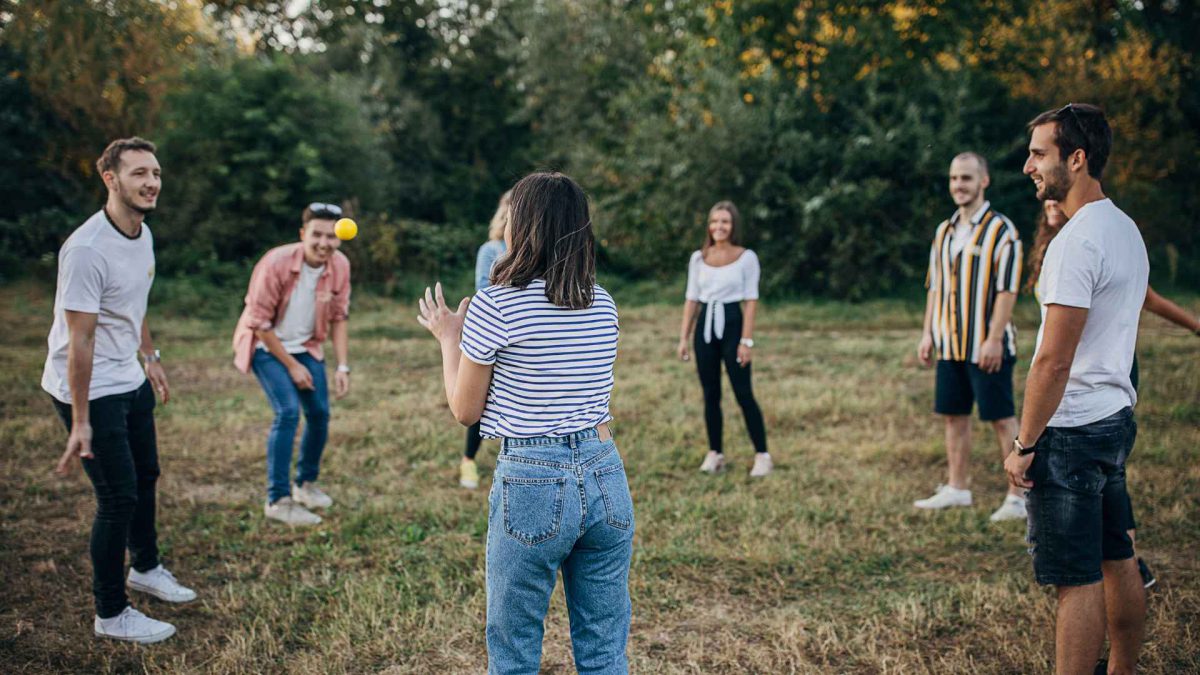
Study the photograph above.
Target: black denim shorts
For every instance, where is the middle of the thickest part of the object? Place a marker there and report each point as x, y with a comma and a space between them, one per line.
1079, 510
959, 385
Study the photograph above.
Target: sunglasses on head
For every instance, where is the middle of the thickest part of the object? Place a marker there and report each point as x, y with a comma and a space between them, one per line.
321, 210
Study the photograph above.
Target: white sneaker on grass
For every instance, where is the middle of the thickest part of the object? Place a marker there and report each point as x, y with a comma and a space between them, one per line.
762, 465
1013, 508
133, 626
713, 462
311, 496
161, 584
287, 511
945, 497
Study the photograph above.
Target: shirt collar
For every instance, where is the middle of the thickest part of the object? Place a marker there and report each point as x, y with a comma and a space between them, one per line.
983, 208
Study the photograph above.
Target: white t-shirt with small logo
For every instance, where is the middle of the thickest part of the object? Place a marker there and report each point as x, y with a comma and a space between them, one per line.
1097, 262
102, 271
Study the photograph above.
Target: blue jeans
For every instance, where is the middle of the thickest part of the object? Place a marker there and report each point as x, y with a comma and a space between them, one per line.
559, 503
288, 400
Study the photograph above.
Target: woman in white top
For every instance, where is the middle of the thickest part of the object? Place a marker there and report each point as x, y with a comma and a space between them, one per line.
722, 276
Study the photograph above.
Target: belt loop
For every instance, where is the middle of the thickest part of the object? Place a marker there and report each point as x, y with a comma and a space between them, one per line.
573, 439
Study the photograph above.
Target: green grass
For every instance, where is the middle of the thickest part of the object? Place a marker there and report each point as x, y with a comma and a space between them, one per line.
822, 567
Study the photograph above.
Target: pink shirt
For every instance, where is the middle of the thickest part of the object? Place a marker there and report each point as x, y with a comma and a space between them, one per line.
271, 286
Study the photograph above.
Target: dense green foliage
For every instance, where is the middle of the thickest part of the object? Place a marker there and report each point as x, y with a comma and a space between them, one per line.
830, 123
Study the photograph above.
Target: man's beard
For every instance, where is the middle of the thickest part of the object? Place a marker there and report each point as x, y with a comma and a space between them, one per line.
1055, 184
129, 203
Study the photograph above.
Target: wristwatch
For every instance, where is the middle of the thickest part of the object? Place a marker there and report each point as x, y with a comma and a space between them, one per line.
747, 342
1021, 450
343, 368
155, 357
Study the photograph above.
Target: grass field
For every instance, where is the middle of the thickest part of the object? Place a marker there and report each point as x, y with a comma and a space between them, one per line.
824, 567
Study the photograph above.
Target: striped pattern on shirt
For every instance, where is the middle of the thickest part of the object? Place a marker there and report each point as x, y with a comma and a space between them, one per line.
965, 285
553, 367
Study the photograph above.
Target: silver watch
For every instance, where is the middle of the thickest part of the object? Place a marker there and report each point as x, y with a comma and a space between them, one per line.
748, 342
343, 368
155, 357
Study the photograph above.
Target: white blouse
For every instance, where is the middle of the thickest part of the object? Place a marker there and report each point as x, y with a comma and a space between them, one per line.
716, 286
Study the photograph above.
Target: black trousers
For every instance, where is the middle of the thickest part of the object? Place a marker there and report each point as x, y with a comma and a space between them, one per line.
473, 441
124, 473
708, 364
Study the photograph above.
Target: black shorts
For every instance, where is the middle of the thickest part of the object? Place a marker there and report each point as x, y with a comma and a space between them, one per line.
960, 384
1079, 509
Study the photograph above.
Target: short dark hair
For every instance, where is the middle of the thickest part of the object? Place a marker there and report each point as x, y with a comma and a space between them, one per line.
1080, 126
110, 159
552, 239
321, 211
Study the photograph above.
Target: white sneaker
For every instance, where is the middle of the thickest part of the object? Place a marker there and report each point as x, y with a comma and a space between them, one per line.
161, 584
713, 462
287, 511
945, 496
762, 465
311, 496
1013, 508
133, 626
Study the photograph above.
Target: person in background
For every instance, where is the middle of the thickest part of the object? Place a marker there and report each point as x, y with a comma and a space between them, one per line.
468, 471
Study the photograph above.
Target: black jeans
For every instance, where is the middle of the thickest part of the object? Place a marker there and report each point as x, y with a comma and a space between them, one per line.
124, 472
708, 364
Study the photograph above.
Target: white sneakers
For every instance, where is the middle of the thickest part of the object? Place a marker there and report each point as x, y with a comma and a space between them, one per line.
713, 462
161, 584
133, 626
945, 497
1013, 508
285, 510
762, 465
311, 496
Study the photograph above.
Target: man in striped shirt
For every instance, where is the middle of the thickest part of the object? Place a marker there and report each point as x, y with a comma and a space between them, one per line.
974, 272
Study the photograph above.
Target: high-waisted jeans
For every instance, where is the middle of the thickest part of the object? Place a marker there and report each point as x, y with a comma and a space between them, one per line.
559, 502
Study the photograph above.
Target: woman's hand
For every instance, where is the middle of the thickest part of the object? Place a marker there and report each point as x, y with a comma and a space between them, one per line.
744, 354
682, 350
438, 318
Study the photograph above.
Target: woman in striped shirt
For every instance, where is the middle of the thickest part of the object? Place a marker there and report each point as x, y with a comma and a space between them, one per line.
532, 361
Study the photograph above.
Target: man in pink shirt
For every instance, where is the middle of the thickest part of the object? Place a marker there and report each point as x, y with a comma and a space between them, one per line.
299, 294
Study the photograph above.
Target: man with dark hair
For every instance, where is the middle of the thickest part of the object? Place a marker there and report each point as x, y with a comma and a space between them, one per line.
299, 295
102, 395
1077, 426
974, 273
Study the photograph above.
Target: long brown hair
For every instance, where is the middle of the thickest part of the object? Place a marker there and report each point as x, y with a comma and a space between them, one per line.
1041, 241
552, 239
735, 220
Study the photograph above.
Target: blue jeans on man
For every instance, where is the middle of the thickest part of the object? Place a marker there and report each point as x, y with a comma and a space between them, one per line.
559, 503
288, 400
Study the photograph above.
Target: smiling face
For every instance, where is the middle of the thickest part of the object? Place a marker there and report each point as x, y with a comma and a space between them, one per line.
967, 180
1055, 218
1046, 166
720, 225
136, 180
320, 241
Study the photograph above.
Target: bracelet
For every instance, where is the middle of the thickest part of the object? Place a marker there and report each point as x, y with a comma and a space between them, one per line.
343, 368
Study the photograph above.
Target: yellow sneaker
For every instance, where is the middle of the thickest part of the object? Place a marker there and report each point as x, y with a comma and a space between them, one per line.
468, 474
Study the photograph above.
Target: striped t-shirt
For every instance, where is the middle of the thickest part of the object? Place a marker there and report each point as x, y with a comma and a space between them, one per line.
553, 367
965, 283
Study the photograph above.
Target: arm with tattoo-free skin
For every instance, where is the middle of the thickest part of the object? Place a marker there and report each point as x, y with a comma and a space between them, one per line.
991, 355
340, 334
744, 353
1157, 304
81, 326
925, 346
1046, 383
154, 369
466, 382
690, 311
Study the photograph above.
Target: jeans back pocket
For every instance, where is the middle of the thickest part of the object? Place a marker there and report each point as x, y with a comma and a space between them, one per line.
618, 504
533, 508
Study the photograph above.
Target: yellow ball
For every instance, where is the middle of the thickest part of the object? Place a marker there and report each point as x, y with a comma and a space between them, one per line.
345, 229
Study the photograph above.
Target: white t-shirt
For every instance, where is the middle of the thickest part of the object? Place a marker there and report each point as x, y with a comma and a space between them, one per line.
716, 286
296, 327
1097, 262
102, 271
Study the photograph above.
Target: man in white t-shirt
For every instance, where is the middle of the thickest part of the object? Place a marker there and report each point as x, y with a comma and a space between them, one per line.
1077, 426
102, 394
